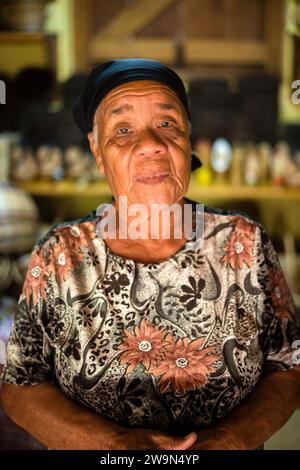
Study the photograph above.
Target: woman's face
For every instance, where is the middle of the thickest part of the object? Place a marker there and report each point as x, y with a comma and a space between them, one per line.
142, 143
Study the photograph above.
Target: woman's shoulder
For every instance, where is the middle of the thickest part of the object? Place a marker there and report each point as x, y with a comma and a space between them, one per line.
218, 218
237, 219
72, 230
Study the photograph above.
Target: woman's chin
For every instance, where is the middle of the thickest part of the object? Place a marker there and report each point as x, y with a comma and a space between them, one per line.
159, 193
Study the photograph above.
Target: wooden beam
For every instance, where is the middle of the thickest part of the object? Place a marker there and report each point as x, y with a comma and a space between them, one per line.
133, 18
197, 51
158, 49
82, 20
202, 51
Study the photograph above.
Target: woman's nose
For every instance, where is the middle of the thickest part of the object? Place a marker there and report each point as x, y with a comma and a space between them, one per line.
149, 144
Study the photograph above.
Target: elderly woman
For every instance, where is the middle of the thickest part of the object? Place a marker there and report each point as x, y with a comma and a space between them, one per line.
151, 343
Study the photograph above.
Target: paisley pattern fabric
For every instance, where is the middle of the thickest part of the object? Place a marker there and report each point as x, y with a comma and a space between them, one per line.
173, 345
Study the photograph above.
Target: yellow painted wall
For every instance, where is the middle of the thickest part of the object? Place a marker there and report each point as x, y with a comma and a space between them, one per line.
16, 55
59, 21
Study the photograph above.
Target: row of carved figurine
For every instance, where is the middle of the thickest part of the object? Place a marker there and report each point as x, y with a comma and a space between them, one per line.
52, 163
247, 163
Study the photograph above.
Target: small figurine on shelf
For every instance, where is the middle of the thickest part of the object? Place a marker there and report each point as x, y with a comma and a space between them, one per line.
50, 160
236, 170
24, 166
76, 163
8, 141
204, 175
297, 158
43, 158
280, 163
57, 164
264, 154
251, 167
221, 156
292, 173
93, 172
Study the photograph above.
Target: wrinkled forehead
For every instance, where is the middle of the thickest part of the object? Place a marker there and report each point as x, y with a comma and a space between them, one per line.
128, 93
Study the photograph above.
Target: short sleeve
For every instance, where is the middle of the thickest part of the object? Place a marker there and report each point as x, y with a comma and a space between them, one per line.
29, 356
279, 319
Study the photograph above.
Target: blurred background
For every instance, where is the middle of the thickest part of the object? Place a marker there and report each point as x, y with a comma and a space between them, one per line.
240, 62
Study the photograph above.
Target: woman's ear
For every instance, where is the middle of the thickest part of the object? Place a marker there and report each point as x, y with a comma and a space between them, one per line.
96, 152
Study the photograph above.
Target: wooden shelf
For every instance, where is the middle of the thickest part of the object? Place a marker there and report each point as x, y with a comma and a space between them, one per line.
229, 192
65, 188
21, 36
197, 192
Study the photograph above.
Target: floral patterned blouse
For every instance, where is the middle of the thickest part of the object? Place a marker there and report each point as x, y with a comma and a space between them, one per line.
172, 345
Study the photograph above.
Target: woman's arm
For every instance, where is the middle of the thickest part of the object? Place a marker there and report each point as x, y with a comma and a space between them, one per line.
59, 422
260, 416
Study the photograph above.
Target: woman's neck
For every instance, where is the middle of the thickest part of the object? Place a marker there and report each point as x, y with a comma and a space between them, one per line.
139, 244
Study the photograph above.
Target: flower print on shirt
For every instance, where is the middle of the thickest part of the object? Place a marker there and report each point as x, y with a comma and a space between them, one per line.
61, 262
115, 283
192, 292
76, 239
281, 297
36, 279
238, 250
180, 364
147, 345
185, 366
239, 245
244, 226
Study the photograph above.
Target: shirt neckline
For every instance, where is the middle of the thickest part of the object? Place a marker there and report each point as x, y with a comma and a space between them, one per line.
173, 258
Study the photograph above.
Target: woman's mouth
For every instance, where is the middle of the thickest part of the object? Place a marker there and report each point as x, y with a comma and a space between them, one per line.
153, 178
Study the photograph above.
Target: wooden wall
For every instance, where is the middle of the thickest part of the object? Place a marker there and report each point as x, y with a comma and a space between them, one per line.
219, 34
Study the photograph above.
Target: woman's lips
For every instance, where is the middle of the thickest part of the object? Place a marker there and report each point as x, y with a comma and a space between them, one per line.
152, 178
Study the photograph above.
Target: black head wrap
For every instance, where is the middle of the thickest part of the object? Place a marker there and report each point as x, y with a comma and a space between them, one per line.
105, 77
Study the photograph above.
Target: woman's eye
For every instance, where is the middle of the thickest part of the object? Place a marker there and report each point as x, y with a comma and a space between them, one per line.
165, 124
123, 130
